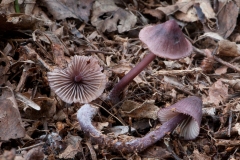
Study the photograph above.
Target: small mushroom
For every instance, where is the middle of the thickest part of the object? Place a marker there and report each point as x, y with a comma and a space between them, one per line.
190, 107
187, 113
165, 40
82, 81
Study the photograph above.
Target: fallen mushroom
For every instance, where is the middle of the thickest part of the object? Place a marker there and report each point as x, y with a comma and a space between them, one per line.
82, 81
187, 113
164, 40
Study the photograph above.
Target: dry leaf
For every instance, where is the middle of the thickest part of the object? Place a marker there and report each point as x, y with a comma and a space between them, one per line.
115, 18
200, 156
227, 18
234, 83
81, 8
184, 10
237, 127
35, 153
11, 126
227, 48
218, 92
74, 146
221, 70
136, 110
59, 10
212, 35
172, 64
120, 130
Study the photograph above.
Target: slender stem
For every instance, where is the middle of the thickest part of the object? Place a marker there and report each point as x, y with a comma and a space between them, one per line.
119, 87
87, 112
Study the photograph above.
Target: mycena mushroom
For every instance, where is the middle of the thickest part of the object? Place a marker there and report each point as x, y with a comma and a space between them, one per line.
82, 81
187, 113
165, 40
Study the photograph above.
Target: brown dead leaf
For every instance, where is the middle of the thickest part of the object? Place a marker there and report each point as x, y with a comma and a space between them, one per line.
8, 155
58, 56
155, 152
74, 146
120, 130
184, 10
81, 8
4, 67
227, 18
218, 92
136, 110
237, 127
109, 17
17, 21
47, 105
200, 156
221, 70
181, 5
59, 10
172, 64
234, 83
227, 48
155, 13
35, 153
190, 16
11, 126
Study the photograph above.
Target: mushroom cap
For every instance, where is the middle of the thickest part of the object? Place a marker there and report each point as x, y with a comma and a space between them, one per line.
82, 81
166, 40
191, 106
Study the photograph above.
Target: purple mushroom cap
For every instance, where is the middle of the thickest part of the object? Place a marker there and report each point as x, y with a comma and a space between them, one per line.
166, 40
82, 81
191, 106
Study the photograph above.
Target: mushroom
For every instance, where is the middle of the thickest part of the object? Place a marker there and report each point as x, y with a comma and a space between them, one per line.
82, 81
165, 40
190, 107
187, 113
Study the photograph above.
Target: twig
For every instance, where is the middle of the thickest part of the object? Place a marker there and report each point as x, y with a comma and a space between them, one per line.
178, 72
230, 124
109, 113
166, 142
226, 64
92, 151
30, 147
229, 65
97, 51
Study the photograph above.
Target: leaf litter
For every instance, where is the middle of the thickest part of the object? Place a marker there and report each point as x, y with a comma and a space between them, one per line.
40, 36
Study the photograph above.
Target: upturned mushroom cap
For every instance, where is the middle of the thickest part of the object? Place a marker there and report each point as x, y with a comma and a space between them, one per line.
191, 106
166, 40
82, 81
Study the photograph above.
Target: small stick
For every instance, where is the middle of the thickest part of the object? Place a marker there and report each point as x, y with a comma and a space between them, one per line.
230, 124
217, 59
226, 64
92, 151
97, 51
178, 72
30, 147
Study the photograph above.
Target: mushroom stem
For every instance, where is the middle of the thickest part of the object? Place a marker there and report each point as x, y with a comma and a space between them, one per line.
121, 85
87, 112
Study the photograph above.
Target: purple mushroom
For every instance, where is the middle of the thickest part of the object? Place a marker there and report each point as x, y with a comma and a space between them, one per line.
82, 81
186, 113
165, 40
